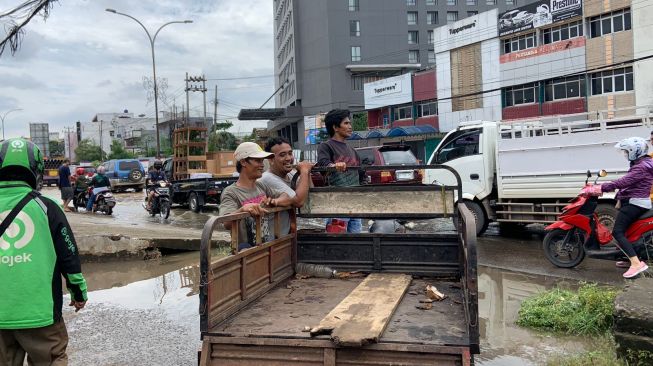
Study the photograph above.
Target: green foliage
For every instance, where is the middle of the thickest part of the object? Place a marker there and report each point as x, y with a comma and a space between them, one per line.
222, 141
57, 148
602, 354
118, 151
222, 126
87, 150
359, 121
249, 138
639, 357
586, 312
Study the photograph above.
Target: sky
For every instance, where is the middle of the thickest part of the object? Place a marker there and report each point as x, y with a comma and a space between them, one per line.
83, 60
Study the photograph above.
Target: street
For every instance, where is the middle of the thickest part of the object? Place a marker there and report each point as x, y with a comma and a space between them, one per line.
149, 308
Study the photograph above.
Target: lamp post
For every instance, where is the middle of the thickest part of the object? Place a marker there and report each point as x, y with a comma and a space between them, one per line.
156, 93
3, 120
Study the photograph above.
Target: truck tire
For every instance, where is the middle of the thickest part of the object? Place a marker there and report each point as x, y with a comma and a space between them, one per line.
479, 215
194, 202
567, 255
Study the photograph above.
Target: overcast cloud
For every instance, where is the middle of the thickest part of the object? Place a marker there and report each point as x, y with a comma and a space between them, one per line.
84, 60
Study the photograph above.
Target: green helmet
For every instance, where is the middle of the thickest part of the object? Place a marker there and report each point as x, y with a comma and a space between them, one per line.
20, 159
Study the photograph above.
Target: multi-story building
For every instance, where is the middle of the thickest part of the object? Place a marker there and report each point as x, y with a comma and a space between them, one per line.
325, 51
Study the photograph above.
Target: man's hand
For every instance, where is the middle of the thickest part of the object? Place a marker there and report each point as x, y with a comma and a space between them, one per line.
79, 305
255, 209
305, 167
341, 167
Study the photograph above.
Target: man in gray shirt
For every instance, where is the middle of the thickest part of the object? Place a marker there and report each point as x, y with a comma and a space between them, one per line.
281, 172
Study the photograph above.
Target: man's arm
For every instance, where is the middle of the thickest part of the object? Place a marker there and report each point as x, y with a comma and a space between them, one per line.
229, 204
303, 184
324, 156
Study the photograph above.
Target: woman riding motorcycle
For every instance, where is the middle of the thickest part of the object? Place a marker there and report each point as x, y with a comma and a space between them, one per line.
99, 182
633, 197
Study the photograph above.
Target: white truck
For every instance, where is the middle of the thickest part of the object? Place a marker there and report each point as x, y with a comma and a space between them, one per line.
524, 172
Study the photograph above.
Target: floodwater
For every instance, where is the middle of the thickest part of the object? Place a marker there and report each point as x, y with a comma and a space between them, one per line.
146, 313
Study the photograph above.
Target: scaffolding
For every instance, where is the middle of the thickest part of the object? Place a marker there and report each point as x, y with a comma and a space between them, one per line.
189, 147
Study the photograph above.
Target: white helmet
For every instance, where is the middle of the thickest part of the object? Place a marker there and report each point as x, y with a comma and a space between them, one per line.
636, 147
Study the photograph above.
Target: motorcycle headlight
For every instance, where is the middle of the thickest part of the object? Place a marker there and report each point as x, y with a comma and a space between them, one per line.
163, 184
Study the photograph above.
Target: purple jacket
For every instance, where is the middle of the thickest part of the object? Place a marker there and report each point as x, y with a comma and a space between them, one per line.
636, 183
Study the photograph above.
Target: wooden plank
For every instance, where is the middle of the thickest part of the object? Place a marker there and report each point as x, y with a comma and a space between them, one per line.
362, 316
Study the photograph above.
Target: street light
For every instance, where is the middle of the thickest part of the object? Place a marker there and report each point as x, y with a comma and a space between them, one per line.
156, 93
3, 120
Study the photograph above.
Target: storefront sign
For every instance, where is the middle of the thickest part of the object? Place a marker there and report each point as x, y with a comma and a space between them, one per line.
543, 50
391, 91
538, 14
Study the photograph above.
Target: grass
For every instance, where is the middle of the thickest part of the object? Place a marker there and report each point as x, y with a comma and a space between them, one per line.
603, 354
585, 312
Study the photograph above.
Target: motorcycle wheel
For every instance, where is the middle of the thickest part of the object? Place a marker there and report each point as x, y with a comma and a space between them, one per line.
109, 211
644, 247
164, 210
561, 254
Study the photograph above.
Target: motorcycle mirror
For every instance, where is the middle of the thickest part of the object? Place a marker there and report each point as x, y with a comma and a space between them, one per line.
603, 173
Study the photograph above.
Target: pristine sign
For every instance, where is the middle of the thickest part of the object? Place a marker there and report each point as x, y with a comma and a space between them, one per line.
538, 14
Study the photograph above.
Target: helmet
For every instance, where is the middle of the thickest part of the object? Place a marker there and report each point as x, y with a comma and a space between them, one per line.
158, 164
636, 147
21, 160
101, 169
80, 171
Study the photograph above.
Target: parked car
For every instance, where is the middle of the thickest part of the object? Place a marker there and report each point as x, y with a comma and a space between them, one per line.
390, 155
125, 173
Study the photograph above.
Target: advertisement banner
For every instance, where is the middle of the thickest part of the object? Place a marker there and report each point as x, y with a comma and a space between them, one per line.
391, 91
543, 50
538, 14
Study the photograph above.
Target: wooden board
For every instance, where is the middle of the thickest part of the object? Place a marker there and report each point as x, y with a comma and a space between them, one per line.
362, 316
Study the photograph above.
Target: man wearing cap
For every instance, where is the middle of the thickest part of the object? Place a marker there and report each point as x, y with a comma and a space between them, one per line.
248, 195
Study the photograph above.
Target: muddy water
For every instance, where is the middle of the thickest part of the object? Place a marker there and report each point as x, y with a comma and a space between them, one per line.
146, 313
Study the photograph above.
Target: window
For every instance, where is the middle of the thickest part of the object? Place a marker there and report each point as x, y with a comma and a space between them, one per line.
412, 17
411, 2
129, 165
355, 28
471, 2
563, 88
510, 2
616, 80
451, 2
427, 109
518, 43
459, 144
413, 56
616, 21
471, 13
431, 56
431, 17
357, 81
522, 94
431, 37
413, 37
491, 2
367, 156
353, 5
403, 112
565, 31
355, 53
431, 3
452, 16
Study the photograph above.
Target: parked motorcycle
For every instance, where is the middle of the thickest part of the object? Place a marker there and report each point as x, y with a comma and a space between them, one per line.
104, 200
578, 232
161, 200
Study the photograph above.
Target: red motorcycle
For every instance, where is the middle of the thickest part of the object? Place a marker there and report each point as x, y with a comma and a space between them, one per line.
578, 232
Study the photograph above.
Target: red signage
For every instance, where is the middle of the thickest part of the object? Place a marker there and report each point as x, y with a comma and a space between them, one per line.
543, 50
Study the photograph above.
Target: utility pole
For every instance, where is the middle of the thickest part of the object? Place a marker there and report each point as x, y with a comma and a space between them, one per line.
69, 153
197, 88
215, 105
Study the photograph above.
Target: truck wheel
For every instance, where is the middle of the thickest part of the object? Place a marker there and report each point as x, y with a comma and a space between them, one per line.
564, 254
193, 202
479, 215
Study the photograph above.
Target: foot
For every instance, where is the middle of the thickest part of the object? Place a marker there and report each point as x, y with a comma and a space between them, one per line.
66, 209
634, 271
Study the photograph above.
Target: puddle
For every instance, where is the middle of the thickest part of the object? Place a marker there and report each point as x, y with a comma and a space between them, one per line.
158, 300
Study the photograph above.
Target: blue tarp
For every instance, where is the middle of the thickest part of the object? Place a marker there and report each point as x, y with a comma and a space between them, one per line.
395, 132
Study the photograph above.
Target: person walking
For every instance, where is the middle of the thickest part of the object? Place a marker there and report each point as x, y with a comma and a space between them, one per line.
37, 249
64, 185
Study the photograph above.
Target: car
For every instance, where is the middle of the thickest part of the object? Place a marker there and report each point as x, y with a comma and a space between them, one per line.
390, 155
522, 18
507, 19
124, 174
89, 170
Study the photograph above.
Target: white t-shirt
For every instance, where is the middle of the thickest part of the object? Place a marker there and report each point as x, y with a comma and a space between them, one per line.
279, 184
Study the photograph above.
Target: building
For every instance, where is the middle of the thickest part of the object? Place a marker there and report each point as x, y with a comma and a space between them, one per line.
325, 51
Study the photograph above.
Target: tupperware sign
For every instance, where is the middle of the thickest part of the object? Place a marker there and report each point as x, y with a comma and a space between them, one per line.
538, 14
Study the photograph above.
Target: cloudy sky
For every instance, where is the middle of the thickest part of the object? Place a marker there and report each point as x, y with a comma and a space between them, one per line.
84, 60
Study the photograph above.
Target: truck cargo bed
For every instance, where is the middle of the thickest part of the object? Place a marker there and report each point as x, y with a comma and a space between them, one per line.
297, 303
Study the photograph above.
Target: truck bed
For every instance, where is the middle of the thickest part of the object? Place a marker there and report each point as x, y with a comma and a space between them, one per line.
287, 309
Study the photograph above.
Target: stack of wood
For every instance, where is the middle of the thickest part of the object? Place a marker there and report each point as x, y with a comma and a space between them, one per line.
189, 148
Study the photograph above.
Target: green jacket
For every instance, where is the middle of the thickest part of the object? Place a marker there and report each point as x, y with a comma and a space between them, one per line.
35, 252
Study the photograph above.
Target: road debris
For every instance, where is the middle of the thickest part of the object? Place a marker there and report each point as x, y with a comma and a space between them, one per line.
434, 294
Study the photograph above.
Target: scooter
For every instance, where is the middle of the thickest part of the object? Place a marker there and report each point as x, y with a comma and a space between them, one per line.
161, 200
578, 232
104, 200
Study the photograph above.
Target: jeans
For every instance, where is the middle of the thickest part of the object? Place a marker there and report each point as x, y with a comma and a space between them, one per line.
627, 215
353, 225
91, 197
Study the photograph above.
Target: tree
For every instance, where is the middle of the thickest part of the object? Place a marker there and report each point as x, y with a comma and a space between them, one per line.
359, 121
222, 126
57, 148
17, 18
118, 151
87, 150
222, 141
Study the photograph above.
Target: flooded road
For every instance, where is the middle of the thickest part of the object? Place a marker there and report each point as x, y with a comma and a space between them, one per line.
146, 313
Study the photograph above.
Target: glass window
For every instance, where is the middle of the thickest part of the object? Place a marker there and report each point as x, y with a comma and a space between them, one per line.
427, 109
411, 2
471, 2
403, 112
355, 53
431, 56
353, 5
431, 2
431, 37
452, 16
397, 157
413, 37
518, 43
471, 13
355, 28
459, 144
367, 156
522, 94
616, 80
627, 19
413, 56
607, 23
129, 165
510, 2
412, 17
491, 2
431, 17
571, 87
451, 2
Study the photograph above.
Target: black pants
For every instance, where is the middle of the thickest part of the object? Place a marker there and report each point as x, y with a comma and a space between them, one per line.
627, 215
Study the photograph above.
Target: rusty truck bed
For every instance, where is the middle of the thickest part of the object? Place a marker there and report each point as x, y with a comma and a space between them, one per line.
287, 309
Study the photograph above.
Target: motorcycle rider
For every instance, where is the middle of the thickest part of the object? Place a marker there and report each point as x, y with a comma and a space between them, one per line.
633, 196
37, 251
98, 181
155, 176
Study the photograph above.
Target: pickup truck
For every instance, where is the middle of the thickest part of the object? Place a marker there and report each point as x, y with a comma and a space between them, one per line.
196, 192
51, 171
255, 310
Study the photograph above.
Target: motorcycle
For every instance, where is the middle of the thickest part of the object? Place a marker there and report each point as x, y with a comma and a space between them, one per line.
104, 200
578, 233
161, 201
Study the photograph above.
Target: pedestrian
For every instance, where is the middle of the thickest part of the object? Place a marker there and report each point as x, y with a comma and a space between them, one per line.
100, 183
64, 185
249, 195
281, 173
37, 251
633, 197
336, 153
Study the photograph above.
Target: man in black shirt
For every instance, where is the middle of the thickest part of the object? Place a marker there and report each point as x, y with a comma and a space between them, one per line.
64, 185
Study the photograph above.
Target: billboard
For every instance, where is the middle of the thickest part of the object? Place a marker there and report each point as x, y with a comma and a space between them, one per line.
538, 14
390, 91
467, 31
314, 129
